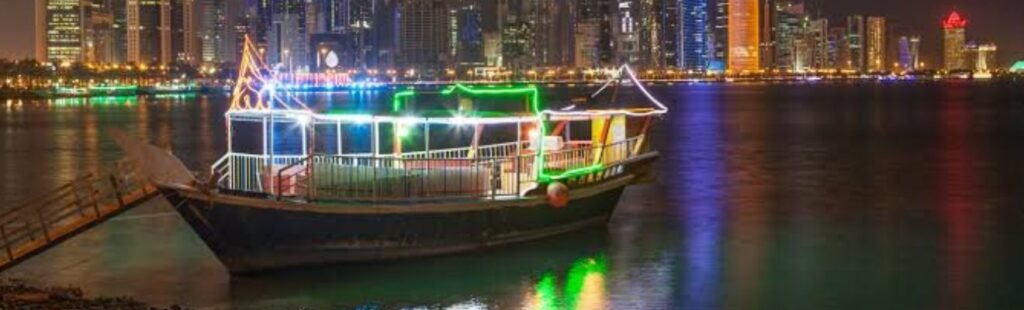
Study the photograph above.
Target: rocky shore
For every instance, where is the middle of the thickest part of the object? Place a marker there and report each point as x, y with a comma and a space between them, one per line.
15, 294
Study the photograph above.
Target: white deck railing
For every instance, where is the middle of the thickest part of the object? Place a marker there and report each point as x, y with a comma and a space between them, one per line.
496, 172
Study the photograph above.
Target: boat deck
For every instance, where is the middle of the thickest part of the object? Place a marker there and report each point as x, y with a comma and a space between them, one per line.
500, 171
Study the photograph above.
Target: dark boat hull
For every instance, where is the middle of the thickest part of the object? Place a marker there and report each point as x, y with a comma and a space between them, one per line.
256, 234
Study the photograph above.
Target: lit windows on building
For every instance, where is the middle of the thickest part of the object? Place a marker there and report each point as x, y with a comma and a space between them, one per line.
954, 41
744, 36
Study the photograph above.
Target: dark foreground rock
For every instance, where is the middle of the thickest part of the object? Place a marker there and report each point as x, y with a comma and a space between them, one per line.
15, 294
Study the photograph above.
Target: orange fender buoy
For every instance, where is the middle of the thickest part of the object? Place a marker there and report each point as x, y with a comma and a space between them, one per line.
558, 195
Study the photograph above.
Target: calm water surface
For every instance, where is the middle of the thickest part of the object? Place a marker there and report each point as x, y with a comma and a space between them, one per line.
898, 196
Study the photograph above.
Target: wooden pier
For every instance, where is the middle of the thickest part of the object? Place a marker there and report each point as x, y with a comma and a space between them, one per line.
56, 216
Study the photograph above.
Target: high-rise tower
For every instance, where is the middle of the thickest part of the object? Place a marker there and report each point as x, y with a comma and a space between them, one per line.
744, 54
61, 38
954, 38
693, 47
876, 44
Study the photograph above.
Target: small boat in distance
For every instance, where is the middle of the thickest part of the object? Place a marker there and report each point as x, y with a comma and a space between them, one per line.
438, 172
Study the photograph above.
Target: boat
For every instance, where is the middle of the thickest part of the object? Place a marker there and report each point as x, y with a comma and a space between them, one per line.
493, 166
113, 90
62, 92
175, 87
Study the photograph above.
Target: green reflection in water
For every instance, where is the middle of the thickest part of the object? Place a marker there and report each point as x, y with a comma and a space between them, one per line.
583, 288
104, 100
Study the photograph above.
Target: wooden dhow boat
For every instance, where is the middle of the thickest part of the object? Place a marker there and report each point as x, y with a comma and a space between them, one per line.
299, 187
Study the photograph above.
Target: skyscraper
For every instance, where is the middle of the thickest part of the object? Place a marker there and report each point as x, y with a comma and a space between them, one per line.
791, 21
211, 30
980, 57
62, 37
287, 39
149, 31
719, 44
744, 36
876, 44
423, 33
954, 38
99, 32
855, 43
670, 16
469, 36
626, 31
909, 48
816, 38
184, 38
693, 48
768, 38
839, 54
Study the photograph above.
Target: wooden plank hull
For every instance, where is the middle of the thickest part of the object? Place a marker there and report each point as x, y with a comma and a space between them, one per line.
256, 234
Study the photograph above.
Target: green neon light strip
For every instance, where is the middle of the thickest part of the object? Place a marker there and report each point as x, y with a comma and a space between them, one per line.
396, 103
572, 173
534, 96
114, 88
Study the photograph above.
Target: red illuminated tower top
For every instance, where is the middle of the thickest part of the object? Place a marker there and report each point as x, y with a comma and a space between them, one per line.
954, 21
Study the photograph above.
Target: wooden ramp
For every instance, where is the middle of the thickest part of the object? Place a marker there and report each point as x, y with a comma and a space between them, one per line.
45, 221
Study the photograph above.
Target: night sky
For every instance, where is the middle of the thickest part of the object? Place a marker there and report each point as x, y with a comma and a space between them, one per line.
998, 21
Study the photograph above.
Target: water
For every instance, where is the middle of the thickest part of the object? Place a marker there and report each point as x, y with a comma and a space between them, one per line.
897, 196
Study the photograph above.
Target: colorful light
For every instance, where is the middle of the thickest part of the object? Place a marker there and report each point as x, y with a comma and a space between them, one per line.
954, 21
399, 97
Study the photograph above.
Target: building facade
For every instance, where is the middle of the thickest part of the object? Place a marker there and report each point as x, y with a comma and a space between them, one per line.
875, 44
953, 42
744, 36
212, 30
62, 37
423, 34
855, 38
693, 50
149, 31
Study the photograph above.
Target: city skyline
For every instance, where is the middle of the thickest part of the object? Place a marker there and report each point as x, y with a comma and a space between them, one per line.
931, 35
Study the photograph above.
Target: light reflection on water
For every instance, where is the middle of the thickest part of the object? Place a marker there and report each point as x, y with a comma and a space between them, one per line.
823, 197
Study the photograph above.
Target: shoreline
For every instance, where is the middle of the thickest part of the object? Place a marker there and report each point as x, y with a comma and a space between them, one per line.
30, 94
18, 294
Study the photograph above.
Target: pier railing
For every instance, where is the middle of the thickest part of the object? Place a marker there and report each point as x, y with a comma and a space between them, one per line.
498, 173
39, 223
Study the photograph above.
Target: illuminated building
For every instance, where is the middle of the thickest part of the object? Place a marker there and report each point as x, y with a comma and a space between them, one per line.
492, 49
693, 49
626, 31
838, 53
744, 36
855, 43
184, 38
594, 16
954, 39
211, 30
287, 38
816, 38
149, 32
1018, 67
791, 20
159, 31
62, 37
423, 33
909, 52
719, 40
553, 23
875, 44
468, 41
980, 58
243, 27
100, 32
768, 39
670, 17
588, 37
